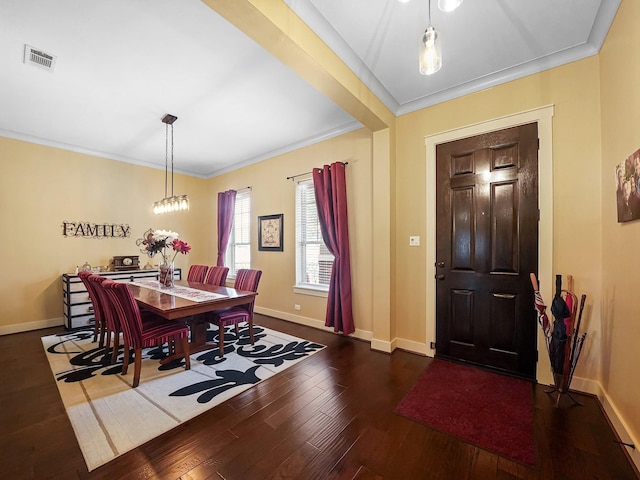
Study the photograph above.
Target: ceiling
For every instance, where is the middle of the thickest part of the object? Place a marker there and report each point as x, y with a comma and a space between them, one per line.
121, 65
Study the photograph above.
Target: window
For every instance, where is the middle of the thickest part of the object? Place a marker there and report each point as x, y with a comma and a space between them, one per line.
239, 250
313, 259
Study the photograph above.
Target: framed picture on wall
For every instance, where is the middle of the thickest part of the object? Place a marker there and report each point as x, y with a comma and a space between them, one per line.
270, 233
628, 188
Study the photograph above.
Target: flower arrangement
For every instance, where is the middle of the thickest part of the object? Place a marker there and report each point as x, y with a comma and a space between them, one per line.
163, 242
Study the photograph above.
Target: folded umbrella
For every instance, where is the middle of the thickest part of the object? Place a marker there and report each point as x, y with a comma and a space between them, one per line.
541, 307
560, 311
574, 340
571, 301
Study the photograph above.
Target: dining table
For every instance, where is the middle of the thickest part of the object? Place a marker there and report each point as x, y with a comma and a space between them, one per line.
188, 302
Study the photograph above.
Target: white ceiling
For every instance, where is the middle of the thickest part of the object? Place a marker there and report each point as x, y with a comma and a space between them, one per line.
121, 65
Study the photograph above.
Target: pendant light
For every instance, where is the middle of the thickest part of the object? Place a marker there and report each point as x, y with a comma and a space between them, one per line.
173, 203
430, 54
444, 5
448, 5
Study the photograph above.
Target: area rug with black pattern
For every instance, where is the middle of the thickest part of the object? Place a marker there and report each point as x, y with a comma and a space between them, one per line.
110, 418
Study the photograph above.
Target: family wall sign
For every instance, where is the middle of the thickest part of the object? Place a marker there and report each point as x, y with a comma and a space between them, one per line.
95, 230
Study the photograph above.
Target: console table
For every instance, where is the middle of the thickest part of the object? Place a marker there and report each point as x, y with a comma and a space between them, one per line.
76, 305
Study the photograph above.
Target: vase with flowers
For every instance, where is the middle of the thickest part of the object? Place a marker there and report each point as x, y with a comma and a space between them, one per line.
168, 245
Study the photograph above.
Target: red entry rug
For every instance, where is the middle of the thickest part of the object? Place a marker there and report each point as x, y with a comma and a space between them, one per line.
492, 411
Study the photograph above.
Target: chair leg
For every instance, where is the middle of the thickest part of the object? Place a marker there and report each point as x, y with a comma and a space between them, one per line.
221, 339
96, 329
107, 342
102, 333
251, 330
116, 346
125, 358
185, 349
137, 367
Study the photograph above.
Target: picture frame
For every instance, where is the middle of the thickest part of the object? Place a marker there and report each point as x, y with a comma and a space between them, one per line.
628, 188
271, 233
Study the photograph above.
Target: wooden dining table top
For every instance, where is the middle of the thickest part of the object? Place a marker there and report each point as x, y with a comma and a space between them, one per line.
172, 307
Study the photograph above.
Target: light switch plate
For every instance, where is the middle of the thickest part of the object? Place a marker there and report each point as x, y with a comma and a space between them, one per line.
414, 241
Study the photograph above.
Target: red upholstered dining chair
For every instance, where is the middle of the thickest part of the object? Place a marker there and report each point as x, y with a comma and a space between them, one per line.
98, 328
109, 315
197, 273
138, 333
246, 279
216, 275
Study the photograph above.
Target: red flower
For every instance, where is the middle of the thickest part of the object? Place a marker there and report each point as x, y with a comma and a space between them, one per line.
180, 246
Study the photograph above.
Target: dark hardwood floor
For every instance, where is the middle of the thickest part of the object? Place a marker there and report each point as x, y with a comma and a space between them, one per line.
330, 416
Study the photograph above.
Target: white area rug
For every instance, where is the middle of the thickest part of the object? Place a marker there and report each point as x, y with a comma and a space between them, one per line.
110, 418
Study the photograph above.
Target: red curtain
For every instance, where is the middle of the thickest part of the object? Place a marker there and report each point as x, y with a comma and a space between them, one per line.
226, 209
330, 187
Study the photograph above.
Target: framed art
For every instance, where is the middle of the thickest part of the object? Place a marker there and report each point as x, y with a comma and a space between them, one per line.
628, 188
270, 233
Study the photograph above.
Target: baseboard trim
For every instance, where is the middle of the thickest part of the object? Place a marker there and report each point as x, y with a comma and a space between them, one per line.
383, 345
309, 322
414, 347
616, 420
29, 326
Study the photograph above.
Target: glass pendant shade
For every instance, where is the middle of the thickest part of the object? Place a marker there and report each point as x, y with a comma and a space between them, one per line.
430, 53
448, 5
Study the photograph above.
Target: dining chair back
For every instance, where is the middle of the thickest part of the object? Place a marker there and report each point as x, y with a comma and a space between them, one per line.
139, 334
217, 275
98, 328
109, 315
197, 273
247, 280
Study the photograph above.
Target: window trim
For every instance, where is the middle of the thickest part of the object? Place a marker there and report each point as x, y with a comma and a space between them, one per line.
311, 290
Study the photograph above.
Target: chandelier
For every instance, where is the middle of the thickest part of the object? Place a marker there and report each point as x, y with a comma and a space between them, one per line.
174, 203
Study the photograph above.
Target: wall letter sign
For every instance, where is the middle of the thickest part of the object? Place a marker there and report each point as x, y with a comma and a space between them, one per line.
95, 230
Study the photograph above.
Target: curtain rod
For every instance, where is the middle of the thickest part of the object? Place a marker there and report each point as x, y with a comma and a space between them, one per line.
307, 173
241, 189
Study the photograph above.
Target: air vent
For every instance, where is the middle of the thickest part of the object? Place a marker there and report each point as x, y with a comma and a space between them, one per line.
38, 58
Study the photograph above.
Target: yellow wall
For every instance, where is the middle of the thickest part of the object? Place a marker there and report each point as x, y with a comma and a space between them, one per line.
40, 187
272, 194
620, 89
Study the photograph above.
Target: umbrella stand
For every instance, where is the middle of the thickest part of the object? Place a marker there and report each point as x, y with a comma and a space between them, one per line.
563, 340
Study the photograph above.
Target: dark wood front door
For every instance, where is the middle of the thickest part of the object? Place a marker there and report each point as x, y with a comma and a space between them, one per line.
487, 244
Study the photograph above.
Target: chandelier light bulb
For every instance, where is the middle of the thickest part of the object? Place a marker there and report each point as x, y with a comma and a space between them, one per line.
430, 54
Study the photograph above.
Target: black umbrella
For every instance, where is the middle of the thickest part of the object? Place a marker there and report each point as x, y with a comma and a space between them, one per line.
560, 311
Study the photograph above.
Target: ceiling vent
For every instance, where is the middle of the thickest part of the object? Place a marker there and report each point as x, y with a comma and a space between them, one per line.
38, 58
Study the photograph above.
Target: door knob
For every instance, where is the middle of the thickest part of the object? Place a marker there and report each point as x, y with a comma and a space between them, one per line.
439, 264
439, 276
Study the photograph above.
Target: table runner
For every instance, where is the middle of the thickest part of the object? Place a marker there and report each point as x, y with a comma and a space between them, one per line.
188, 293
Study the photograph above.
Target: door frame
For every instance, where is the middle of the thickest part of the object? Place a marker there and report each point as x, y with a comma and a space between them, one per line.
544, 117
